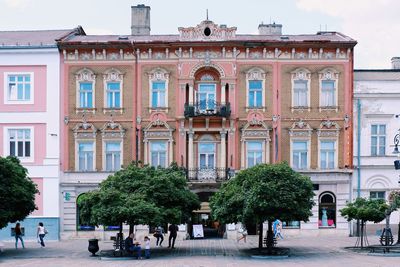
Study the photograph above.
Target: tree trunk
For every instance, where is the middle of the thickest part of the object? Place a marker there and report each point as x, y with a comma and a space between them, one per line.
362, 234
270, 238
131, 229
260, 236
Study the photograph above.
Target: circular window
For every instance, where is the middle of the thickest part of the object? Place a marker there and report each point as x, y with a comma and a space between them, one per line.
207, 31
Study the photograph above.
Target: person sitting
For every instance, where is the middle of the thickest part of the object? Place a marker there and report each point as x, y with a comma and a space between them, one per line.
132, 246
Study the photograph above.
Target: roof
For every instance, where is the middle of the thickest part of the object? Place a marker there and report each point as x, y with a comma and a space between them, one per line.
376, 74
324, 37
35, 38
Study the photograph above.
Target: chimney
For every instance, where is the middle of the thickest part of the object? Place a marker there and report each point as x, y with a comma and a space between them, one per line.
396, 63
270, 29
140, 20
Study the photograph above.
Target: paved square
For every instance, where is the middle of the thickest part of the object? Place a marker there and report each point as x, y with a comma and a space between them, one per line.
310, 252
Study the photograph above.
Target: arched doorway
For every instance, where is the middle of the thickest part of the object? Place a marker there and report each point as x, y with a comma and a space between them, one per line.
327, 210
80, 226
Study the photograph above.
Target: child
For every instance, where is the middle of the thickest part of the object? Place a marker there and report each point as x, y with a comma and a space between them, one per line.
147, 247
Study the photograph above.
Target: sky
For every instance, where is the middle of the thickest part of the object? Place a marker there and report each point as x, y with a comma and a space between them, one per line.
375, 24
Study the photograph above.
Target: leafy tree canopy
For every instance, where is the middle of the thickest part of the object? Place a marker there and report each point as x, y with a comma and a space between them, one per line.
17, 192
264, 192
140, 195
373, 210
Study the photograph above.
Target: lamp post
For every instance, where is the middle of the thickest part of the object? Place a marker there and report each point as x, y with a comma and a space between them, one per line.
396, 142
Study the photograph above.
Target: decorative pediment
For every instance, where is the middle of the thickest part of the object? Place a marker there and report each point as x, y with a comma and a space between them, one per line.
113, 75
207, 30
256, 127
300, 128
301, 74
200, 65
158, 74
158, 128
329, 74
85, 75
84, 130
328, 129
112, 129
255, 74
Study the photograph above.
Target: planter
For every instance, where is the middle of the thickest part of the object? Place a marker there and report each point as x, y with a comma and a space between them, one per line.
93, 246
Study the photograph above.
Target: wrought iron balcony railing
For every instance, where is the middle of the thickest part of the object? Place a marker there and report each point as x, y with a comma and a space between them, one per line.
209, 174
207, 108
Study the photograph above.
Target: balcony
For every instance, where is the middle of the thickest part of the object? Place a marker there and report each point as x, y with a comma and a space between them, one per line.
206, 175
207, 108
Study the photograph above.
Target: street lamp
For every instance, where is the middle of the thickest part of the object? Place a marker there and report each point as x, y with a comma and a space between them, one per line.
396, 142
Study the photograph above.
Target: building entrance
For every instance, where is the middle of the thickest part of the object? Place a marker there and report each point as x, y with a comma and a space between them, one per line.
211, 228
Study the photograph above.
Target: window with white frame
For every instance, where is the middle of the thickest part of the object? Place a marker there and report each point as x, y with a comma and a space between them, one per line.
158, 92
377, 195
112, 156
300, 155
113, 95
378, 139
85, 89
300, 93
254, 153
158, 153
86, 156
20, 143
327, 154
328, 93
255, 94
86, 95
19, 88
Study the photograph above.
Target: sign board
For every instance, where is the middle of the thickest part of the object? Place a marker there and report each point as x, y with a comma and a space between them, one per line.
198, 231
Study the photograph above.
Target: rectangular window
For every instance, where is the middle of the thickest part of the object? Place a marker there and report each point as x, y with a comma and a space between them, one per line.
291, 224
158, 94
255, 94
86, 95
86, 154
254, 153
300, 93
113, 156
327, 155
19, 87
20, 143
378, 139
300, 150
377, 195
113, 95
328, 93
158, 153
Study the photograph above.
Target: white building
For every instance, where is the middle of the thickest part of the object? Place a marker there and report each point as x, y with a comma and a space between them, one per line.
30, 118
376, 104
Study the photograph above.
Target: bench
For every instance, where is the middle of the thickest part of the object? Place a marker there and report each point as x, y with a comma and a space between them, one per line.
384, 249
265, 241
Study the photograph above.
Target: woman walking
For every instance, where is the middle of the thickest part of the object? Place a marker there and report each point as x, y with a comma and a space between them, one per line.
18, 235
41, 232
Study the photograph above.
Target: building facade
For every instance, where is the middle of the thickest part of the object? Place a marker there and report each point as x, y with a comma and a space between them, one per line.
30, 116
214, 102
376, 122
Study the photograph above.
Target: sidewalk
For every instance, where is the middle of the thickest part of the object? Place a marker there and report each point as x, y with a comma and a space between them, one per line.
310, 252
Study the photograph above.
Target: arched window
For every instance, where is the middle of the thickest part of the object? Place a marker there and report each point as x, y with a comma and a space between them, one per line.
255, 82
85, 90
113, 85
328, 89
301, 79
158, 82
79, 225
327, 210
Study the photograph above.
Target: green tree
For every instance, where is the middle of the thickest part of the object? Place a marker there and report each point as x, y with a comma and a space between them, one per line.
17, 192
264, 193
362, 209
140, 195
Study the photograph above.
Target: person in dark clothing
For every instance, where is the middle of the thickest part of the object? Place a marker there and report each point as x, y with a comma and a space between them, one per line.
131, 246
173, 231
159, 234
18, 235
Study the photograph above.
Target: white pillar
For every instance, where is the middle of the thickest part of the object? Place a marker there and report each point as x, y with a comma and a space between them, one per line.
223, 154
223, 94
190, 151
170, 151
242, 157
146, 147
190, 94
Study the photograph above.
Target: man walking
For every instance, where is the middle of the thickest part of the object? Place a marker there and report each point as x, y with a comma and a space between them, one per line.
173, 231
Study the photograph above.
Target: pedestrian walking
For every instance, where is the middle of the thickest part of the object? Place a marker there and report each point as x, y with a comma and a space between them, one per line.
277, 228
147, 247
243, 232
41, 232
18, 235
159, 234
173, 232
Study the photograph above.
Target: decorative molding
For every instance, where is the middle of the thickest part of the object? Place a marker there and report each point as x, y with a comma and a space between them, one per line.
158, 74
202, 65
84, 130
255, 74
301, 74
113, 75
200, 32
329, 74
112, 129
85, 75
300, 129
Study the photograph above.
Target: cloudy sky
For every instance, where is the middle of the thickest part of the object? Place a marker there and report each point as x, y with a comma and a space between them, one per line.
375, 24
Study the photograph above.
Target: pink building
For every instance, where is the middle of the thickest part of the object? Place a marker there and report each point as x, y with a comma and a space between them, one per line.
30, 117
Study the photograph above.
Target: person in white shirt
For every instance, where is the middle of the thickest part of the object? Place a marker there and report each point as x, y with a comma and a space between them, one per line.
41, 232
147, 247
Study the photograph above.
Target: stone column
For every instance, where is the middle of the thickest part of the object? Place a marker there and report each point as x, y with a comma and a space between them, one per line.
190, 155
145, 154
223, 100
170, 151
242, 155
190, 94
223, 154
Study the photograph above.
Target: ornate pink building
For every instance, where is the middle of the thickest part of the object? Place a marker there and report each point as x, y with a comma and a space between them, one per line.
214, 102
